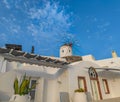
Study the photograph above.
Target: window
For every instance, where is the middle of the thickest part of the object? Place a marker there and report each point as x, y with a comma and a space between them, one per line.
32, 92
63, 51
92, 73
105, 85
82, 83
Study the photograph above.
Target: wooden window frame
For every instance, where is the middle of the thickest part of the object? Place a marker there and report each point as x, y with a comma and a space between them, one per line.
106, 85
84, 81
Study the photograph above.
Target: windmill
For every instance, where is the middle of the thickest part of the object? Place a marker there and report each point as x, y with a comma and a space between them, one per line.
71, 41
69, 47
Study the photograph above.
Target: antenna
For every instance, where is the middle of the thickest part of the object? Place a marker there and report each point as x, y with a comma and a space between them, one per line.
14, 46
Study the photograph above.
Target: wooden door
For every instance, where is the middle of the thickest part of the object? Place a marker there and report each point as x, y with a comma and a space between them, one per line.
96, 90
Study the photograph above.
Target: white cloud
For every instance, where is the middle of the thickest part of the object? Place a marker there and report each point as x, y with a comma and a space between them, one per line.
10, 24
40, 24
33, 29
104, 25
50, 20
6, 4
95, 19
87, 30
3, 37
110, 37
15, 28
89, 37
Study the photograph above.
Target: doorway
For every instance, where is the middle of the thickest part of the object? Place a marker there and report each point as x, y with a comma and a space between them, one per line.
95, 86
96, 92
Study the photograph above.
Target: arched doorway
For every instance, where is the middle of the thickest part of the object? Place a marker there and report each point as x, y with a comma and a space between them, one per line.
96, 91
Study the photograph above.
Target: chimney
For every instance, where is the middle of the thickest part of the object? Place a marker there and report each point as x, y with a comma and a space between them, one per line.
32, 50
14, 46
114, 54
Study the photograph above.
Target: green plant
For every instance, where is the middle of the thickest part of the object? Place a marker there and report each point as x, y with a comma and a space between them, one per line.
23, 88
79, 90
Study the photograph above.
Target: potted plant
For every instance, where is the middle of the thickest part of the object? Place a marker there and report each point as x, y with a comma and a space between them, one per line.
79, 95
22, 89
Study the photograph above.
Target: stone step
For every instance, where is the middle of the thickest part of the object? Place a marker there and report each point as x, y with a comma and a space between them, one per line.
110, 100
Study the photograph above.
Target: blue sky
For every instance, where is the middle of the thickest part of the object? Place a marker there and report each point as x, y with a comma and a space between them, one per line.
92, 25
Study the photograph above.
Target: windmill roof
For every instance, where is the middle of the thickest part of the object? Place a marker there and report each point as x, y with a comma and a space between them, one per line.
71, 59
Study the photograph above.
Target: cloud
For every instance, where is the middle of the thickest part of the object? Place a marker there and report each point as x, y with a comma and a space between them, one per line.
110, 37
34, 22
15, 28
95, 26
3, 37
48, 21
49, 16
6, 4
95, 19
103, 25
10, 25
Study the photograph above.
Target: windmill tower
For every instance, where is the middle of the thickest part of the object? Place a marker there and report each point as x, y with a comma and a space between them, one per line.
66, 50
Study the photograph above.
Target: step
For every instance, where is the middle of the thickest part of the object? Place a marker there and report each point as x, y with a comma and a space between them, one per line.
110, 100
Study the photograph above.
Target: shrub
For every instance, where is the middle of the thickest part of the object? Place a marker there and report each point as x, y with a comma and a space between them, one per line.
79, 90
22, 88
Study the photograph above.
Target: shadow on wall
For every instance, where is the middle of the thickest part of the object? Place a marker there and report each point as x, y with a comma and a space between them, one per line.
4, 96
6, 85
89, 97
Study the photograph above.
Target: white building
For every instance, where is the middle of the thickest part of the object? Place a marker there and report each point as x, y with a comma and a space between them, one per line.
58, 78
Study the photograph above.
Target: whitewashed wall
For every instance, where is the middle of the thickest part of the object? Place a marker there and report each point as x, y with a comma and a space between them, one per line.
1, 62
39, 90
53, 87
6, 83
80, 69
49, 90
104, 95
110, 62
114, 87
68, 82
